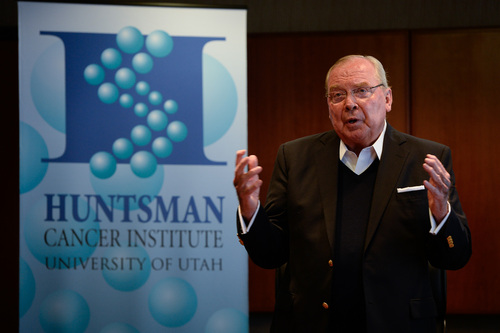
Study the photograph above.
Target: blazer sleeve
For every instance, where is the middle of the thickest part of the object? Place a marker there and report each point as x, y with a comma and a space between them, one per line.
265, 243
267, 240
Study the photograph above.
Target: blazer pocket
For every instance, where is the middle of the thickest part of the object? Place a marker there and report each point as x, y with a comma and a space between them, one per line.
423, 308
412, 195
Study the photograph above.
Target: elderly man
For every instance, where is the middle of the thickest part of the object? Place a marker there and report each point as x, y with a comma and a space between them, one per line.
356, 214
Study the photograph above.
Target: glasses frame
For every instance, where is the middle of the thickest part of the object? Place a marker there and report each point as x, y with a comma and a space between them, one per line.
371, 89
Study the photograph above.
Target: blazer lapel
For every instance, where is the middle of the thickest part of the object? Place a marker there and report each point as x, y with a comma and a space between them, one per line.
393, 158
327, 162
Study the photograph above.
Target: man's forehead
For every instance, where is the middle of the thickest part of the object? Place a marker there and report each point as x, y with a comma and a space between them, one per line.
349, 84
356, 72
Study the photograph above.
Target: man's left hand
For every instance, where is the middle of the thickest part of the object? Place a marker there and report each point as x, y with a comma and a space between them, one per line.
438, 187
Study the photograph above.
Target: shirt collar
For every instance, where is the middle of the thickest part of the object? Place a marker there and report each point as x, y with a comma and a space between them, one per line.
358, 164
378, 145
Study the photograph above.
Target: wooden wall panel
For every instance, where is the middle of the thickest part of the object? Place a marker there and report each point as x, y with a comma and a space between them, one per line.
286, 75
455, 93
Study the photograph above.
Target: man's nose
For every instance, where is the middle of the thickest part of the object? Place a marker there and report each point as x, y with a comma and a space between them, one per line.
350, 102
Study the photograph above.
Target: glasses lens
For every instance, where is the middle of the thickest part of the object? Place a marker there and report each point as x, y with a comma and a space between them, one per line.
336, 96
363, 92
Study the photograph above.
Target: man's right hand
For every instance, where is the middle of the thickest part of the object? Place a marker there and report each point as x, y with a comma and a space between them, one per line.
247, 183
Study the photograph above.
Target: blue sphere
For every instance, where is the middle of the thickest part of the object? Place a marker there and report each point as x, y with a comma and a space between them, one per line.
102, 165
155, 98
126, 100
143, 164
142, 63
159, 43
130, 40
27, 287
142, 88
141, 110
46, 249
227, 321
64, 311
177, 131
162, 147
157, 120
123, 148
107, 93
125, 182
111, 58
170, 106
125, 78
140, 135
33, 149
48, 85
219, 112
93, 74
133, 275
173, 302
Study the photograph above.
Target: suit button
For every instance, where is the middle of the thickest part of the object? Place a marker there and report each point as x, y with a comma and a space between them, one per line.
325, 305
330, 263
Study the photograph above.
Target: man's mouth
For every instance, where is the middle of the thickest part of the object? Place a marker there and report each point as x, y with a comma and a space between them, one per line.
352, 121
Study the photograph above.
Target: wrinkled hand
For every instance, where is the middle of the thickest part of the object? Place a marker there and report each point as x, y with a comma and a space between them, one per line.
438, 187
247, 183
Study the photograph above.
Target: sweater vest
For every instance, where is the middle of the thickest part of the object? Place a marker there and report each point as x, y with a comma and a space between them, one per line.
355, 194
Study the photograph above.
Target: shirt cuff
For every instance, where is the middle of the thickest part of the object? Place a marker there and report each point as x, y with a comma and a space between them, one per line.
246, 227
435, 228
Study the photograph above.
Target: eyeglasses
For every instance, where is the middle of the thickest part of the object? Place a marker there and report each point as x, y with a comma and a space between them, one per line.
337, 96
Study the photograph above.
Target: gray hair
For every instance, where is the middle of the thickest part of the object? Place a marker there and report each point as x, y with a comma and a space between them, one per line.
379, 68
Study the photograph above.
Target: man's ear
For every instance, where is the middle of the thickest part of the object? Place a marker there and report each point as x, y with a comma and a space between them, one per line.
388, 100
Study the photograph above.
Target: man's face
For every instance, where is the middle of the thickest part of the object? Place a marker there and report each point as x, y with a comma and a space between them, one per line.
358, 121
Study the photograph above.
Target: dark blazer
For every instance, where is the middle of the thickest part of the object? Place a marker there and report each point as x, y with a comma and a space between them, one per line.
297, 227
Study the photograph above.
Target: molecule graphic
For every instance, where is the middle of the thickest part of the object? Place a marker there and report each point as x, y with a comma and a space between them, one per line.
143, 163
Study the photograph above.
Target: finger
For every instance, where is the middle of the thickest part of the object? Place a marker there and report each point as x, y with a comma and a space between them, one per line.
250, 187
432, 188
436, 180
244, 179
239, 171
435, 194
239, 155
437, 171
253, 161
252, 174
241, 163
438, 166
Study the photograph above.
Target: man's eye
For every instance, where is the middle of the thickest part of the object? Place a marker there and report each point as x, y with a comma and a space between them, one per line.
361, 90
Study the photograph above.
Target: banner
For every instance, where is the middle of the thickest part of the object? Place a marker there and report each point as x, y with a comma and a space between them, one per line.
130, 117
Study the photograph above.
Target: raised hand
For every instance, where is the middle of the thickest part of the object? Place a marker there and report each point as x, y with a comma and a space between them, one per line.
438, 187
247, 183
